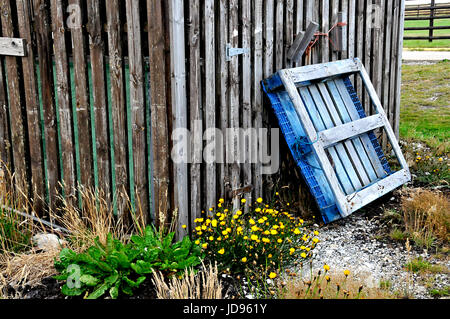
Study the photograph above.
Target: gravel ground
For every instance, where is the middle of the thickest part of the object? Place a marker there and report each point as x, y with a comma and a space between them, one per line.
353, 244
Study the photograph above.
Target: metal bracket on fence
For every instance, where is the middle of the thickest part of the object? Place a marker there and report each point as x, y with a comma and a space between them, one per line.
230, 52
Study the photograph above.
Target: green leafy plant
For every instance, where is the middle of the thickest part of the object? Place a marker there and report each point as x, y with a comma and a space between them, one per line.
116, 267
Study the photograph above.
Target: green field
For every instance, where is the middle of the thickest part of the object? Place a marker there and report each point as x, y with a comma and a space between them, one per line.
425, 103
425, 43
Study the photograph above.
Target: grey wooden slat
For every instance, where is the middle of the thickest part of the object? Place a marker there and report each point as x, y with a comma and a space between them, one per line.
17, 125
223, 64
5, 146
325, 45
179, 109
82, 99
234, 96
210, 94
64, 101
32, 107
257, 76
289, 31
401, 22
196, 126
118, 103
96, 46
44, 46
299, 22
137, 104
393, 63
279, 35
368, 50
246, 17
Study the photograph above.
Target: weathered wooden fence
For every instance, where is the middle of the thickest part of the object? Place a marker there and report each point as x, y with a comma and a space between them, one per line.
104, 84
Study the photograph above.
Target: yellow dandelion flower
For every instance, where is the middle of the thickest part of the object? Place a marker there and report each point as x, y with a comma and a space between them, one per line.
297, 231
239, 213
346, 272
440, 159
279, 240
326, 267
205, 245
273, 232
243, 201
303, 255
197, 242
222, 251
254, 228
316, 233
221, 200
315, 240
291, 251
252, 222
269, 256
258, 210
272, 275
214, 223
184, 226
254, 237
259, 200
244, 259
211, 238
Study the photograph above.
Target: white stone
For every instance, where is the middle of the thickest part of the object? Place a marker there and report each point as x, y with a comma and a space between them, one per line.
47, 242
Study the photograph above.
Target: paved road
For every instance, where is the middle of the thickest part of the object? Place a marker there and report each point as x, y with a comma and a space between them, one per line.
425, 55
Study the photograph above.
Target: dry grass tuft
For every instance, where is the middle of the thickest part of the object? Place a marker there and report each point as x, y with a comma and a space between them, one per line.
203, 285
95, 219
336, 286
426, 215
26, 269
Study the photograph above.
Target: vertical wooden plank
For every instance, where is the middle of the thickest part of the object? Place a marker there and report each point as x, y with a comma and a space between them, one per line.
195, 113
393, 63
160, 137
82, 96
96, 45
268, 38
279, 23
64, 101
257, 98
32, 107
234, 96
344, 10
398, 81
44, 45
222, 81
246, 18
309, 6
299, 21
351, 28
179, 112
289, 31
137, 101
368, 50
5, 145
118, 103
334, 4
16, 105
387, 58
377, 27
325, 45
210, 95
359, 42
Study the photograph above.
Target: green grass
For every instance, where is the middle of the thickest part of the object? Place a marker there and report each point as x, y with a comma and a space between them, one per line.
425, 43
425, 104
419, 265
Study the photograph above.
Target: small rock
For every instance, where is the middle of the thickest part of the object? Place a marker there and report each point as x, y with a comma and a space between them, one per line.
47, 242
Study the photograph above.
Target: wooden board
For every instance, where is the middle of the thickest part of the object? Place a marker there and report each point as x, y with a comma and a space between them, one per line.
354, 173
13, 46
